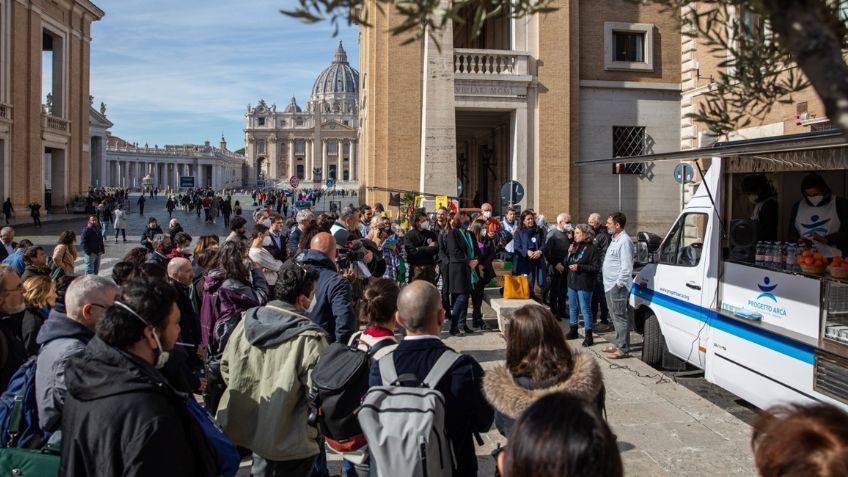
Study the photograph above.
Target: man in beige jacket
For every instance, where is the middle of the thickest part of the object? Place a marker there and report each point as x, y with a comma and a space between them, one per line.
267, 366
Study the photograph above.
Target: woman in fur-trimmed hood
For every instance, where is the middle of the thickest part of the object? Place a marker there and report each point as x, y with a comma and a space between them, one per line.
538, 362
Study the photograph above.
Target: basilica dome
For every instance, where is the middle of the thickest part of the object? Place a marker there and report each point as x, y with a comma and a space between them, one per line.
338, 79
292, 107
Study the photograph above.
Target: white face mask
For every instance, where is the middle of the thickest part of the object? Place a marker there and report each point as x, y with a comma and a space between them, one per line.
487, 214
266, 242
267, 223
753, 198
815, 200
425, 225
311, 305
163, 356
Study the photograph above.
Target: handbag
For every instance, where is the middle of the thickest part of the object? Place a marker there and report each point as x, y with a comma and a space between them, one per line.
35, 462
516, 287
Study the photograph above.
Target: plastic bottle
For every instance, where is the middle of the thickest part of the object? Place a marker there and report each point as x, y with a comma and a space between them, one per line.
791, 258
768, 254
758, 254
778, 260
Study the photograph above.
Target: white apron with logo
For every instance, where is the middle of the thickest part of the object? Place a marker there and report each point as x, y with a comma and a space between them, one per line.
822, 220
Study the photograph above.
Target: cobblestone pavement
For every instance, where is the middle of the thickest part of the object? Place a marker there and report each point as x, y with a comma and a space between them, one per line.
663, 428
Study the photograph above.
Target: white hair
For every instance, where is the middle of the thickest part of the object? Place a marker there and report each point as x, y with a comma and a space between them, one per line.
86, 290
595, 216
303, 215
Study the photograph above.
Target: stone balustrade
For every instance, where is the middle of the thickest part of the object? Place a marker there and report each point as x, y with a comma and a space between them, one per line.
55, 124
200, 151
490, 63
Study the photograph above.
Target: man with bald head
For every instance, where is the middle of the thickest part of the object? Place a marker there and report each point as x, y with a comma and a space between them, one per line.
180, 275
420, 312
64, 335
332, 305
556, 253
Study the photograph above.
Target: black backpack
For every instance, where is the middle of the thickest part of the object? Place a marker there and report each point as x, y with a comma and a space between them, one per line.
339, 382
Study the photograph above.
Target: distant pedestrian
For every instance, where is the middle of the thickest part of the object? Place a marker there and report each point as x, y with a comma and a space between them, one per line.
227, 209
141, 200
170, 205
618, 277
120, 222
8, 210
92, 246
35, 213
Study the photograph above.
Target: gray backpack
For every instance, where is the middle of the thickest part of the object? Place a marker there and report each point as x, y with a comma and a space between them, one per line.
405, 426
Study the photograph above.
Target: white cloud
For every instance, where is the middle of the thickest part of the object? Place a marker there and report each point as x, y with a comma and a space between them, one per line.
184, 71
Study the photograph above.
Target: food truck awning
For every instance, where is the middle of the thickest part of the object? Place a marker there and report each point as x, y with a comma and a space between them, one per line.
813, 150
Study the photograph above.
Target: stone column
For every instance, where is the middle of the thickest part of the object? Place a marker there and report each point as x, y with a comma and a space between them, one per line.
308, 161
272, 158
438, 114
291, 157
324, 166
354, 160
339, 161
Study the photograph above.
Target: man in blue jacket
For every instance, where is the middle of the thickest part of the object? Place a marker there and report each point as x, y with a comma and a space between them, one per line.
467, 412
332, 306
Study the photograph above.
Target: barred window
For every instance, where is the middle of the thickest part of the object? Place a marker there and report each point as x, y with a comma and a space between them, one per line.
628, 141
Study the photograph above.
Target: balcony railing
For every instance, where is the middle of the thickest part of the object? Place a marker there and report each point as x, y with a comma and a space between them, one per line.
490, 63
5, 112
53, 123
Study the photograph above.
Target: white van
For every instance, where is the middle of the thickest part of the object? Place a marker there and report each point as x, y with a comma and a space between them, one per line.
769, 336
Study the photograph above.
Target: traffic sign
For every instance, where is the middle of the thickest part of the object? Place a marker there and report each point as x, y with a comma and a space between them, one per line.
294, 181
512, 192
684, 173
330, 182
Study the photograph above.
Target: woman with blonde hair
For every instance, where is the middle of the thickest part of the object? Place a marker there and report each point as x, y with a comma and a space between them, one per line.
65, 252
39, 297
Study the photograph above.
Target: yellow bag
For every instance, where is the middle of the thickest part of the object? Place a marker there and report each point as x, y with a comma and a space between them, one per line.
516, 286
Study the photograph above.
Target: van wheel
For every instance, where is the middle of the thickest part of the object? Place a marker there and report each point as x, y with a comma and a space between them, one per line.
652, 342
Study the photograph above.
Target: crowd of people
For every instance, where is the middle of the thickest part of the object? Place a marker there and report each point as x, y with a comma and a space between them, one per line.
241, 324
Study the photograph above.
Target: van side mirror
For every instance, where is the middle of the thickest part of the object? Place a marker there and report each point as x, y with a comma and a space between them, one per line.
647, 245
652, 241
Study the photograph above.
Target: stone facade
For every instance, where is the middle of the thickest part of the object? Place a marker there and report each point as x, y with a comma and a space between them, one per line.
44, 135
313, 145
532, 96
134, 167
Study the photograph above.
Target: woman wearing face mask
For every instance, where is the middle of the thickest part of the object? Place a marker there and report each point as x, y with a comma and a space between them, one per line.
121, 416
261, 256
234, 286
820, 218
759, 191
461, 270
529, 251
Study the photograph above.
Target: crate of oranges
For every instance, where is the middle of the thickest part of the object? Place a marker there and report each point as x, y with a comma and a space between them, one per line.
812, 262
838, 268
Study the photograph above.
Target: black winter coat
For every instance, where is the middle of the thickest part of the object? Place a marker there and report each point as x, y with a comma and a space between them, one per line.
588, 266
121, 417
458, 271
421, 247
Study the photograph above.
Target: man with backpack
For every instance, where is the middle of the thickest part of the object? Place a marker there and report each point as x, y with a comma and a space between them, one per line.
466, 411
267, 367
64, 335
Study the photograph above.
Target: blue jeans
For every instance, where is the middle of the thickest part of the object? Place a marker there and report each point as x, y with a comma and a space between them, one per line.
459, 311
92, 263
104, 227
583, 298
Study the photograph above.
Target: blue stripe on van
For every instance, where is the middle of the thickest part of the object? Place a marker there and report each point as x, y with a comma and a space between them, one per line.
762, 337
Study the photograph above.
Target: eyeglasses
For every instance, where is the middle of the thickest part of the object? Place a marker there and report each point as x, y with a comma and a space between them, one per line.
98, 305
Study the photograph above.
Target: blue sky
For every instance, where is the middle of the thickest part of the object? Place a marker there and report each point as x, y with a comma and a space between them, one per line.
184, 71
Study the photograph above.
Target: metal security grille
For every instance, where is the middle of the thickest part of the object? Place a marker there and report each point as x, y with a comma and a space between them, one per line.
831, 376
628, 141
